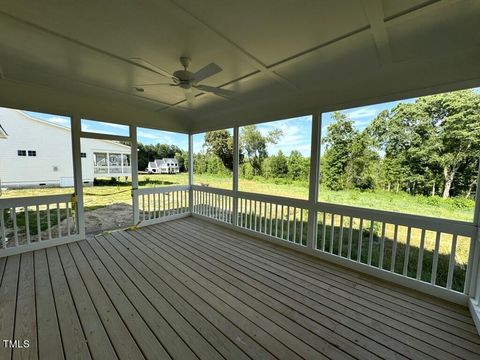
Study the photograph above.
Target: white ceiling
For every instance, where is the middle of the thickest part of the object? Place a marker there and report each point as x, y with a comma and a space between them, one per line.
281, 57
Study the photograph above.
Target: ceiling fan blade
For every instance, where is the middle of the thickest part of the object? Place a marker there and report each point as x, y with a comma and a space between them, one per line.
207, 71
216, 91
189, 95
149, 66
156, 84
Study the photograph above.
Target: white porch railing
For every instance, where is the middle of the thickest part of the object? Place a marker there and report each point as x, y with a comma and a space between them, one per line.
434, 252
160, 204
428, 254
28, 223
277, 217
216, 204
112, 170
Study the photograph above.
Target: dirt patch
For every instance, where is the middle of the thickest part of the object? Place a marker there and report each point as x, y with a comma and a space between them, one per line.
110, 217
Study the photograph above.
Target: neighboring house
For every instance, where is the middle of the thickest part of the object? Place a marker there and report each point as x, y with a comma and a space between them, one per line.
35, 152
163, 166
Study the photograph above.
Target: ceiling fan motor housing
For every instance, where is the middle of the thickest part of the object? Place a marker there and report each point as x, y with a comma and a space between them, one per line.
186, 78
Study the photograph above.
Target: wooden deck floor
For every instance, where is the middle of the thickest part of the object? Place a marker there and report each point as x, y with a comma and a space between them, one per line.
187, 289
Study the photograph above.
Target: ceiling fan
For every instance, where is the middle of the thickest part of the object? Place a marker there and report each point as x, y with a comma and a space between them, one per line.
185, 79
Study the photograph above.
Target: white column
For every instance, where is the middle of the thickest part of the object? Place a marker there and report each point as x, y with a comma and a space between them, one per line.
474, 274
314, 179
108, 163
134, 170
75, 124
190, 172
236, 159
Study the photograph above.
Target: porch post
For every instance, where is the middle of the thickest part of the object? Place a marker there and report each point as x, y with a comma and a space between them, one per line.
75, 124
190, 172
314, 179
134, 171
472, 280
236, 160
474, 273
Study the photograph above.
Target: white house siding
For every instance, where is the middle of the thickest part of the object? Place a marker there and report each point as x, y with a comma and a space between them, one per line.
52, 144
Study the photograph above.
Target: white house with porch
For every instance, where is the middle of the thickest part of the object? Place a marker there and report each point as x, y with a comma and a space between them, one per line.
35, 152
163, 166
221, 273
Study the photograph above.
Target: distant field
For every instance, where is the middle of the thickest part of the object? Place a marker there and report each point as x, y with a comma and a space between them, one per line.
99, 196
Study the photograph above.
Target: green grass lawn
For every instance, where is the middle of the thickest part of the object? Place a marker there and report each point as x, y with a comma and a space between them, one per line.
460, 209
99, 196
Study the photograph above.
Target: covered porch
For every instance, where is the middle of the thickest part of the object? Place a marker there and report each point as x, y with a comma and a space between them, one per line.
189, 289
211, 273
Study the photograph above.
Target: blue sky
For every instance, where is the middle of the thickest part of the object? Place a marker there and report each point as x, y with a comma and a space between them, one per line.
296, 131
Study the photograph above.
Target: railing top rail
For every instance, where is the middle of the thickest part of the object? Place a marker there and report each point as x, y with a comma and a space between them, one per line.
461, 228
159, 190
275, 199
34, 200
213, 190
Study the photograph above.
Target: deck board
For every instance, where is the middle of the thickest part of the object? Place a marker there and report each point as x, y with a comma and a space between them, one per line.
49, 338
96, 336
25, 317
187, 289
413, 333
8, 302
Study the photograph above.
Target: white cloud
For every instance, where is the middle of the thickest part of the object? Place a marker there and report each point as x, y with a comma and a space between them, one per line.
362, 112
147, 135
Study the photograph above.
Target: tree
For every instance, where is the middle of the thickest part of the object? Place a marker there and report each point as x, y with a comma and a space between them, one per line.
337, 154
455, 117
360, 169
298, 166
431, 141
220, 143
279, 165
255, 145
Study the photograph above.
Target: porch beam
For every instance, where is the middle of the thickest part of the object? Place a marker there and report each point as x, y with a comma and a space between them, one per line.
314, 179
75, 124
111, 137
134, 171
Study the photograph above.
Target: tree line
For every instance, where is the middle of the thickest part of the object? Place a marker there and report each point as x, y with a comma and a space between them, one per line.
428, 147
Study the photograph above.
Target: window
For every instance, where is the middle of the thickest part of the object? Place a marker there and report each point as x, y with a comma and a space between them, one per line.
275, 157
405, 156
83, 155
22, 152
164, 153
213, 159
32, 153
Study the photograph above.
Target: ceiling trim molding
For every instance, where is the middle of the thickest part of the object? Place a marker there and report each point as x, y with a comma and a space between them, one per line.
375, 15
251, 59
